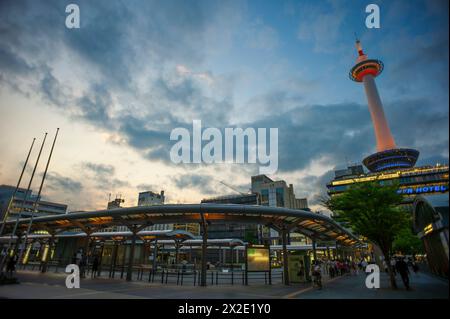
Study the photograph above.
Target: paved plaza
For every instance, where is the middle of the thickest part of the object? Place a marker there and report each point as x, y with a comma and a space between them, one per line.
52, 286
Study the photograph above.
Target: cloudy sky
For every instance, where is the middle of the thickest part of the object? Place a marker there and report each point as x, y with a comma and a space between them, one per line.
135, 70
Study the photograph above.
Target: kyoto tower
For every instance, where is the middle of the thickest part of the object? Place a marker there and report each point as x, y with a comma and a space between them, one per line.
388, 156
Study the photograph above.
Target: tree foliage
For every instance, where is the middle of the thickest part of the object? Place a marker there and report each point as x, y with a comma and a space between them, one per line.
373, 211
407, 243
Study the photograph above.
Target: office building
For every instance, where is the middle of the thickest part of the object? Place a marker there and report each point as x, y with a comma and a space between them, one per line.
24, 201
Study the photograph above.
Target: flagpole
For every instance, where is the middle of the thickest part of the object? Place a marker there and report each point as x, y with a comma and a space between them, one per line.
38, 196
5, 216
22, 206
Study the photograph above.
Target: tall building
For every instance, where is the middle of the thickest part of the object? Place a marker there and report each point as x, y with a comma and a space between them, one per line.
425, 180
388, 156
150, 198
248, 233
26, 206
390, 164
115, 203
276, 194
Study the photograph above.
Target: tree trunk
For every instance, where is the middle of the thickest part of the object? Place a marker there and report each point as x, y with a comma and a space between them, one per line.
387, 259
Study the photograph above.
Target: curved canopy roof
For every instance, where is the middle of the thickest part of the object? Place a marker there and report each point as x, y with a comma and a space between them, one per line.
170, 235
137, 218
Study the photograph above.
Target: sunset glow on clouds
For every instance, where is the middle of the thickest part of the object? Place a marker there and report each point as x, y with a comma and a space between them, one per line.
117, 86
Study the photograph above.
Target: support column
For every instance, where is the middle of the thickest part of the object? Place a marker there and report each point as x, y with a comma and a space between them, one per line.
285, 256
100, 259
204, 250
131, 257
113, 259
337, 251
177, 249
155, 254
231, 258
314, 248
49, 251
84, 260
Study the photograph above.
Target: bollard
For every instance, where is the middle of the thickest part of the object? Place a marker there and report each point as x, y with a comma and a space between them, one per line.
162, 276
232, 277
217, 277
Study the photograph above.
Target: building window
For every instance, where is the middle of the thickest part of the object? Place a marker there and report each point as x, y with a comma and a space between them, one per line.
265, 197
280, 197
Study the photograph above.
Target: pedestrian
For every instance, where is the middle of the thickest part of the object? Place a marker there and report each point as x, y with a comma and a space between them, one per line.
415, 267
78, 257
74, 258
83, 266
402, 268
393, 263
385, 266
11, 265
95, 264
364, 264
317, 274
331, 269
354, 268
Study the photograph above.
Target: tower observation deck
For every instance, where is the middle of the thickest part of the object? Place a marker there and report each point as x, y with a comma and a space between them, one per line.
388, 156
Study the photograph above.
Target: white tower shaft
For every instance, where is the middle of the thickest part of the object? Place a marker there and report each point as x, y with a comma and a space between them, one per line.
385, 140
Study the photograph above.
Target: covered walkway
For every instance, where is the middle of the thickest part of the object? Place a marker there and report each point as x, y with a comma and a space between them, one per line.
136, 219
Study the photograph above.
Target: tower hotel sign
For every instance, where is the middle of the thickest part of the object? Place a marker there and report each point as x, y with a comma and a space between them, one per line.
424, 189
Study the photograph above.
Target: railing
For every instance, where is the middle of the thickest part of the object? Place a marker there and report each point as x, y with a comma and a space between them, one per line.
176, 275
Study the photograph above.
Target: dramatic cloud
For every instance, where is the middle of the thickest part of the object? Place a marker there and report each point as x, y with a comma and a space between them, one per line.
134, 71
56, 182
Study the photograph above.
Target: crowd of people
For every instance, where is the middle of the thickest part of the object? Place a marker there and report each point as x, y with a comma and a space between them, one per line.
333, 268
402, 267
82, 260
339, 267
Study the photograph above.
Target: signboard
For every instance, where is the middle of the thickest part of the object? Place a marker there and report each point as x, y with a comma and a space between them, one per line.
298, 268
423, 189
258, 259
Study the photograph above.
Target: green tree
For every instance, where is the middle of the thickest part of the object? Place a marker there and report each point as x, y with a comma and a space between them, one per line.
407, 243
372, 210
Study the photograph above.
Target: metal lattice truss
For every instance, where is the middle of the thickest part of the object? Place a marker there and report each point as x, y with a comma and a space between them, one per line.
310, 224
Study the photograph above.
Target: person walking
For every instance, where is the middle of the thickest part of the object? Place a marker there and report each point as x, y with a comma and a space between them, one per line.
415, 267
11, 265
331, 269
78, 257
317, 274
95, 264
402, 268
393, 263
